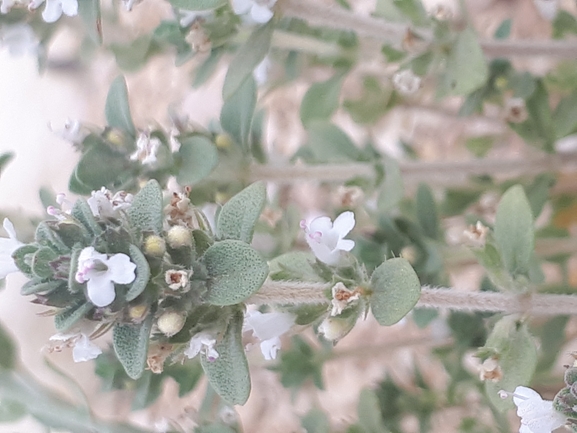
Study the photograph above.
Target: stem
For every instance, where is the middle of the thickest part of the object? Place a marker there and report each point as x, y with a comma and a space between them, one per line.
289, 292
392, 33
445, 173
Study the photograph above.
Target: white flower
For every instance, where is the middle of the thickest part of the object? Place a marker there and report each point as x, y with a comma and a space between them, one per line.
100, 272
129, 4
63, 213
71, 131
146, 149
406, 82
547, 8
55, 8
260, 73
202, 342
106, 205
342, 297
19, 38
176, 280
259, 10
268, 327
476, 235
7, 247
326, 239
83, 348
537, 415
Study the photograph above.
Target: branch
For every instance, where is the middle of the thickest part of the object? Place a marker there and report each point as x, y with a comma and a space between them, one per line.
289, 292
335, 17
444, 173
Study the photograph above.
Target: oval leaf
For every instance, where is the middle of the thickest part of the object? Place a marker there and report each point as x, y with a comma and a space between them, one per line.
321, 100
146, 211
237, 112
235, 270
198, 157
117, 110
239, 215
229, 374
83, 214
131, 346
67, 318
514, 232
396, 290
142, 273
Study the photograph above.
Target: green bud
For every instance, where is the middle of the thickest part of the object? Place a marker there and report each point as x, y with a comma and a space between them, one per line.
170, 323
564, 402
335, 328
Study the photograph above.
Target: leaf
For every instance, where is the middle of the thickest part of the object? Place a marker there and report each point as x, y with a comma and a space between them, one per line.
229, 374
117, 109
89, 11
67, 318
427, 211
236, 271
237, 112
294, 265
83, 214
396, 290
34, 286
514, 232
41, 262
504, 29
321, 100
392, 189
8, 356
517, 357
198, 158
480, 146
197, 5
315, 421
565, 116
133, 55
11, 411
369, 410
240, 214
89, 172
142, 273
146, 211
247, 58
466, 66
131, 345
330, 144
207, 68
5, 159
372, 104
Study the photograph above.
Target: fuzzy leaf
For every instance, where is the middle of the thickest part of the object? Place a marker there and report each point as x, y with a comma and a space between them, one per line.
131, 346
82, 213
142, 273
117, 110
239, 215
198, 157
67, 318
229, 374
235, 270
237, 112
396, 290
321, 100
146, 211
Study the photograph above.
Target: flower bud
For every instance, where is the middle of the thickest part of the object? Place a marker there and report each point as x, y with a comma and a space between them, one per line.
179, 237
335, 328
564, 402
154, 246
223, 141
571, 376
137, 312
170, 323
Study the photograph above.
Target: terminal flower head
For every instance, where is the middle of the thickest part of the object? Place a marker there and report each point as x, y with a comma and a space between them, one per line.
100, 272
107, 205
146, 149
326, 239
7, 247
537, 415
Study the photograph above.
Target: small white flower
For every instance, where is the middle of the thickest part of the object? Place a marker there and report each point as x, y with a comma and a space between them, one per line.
63, 213
406, 82
491, 370
342, 297
100, 272
476, 235
129, 4
537, 415
176, 280
260, 73
202, 342
106, 205
515, 110
55, 8
268, 327
19, 38
259, 10
7, 247
547, 8
72, 131
326, 239
83, 348
146, 149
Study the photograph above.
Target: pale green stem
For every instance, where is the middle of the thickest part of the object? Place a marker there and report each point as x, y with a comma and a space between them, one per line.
288, 292
335, 17
444, 173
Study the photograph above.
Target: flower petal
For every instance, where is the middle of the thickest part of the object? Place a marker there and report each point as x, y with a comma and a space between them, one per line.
70, 7
323, 252
269, 325
320, 224
344, 223
100, 290
9, 227
269, 348
260, 14
85, 350
52, 11
241, 6
345, 245
120, 269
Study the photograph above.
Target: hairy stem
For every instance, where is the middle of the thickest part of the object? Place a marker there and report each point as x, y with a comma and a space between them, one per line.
393, 33
289, 292
445, 173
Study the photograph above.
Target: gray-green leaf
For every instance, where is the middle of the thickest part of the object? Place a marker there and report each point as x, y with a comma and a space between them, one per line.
239, 215
237, 112
117, 109
235, 270
131, 346
229, 374
146, 211
321, 100
198, 157
142, 273
396, 290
